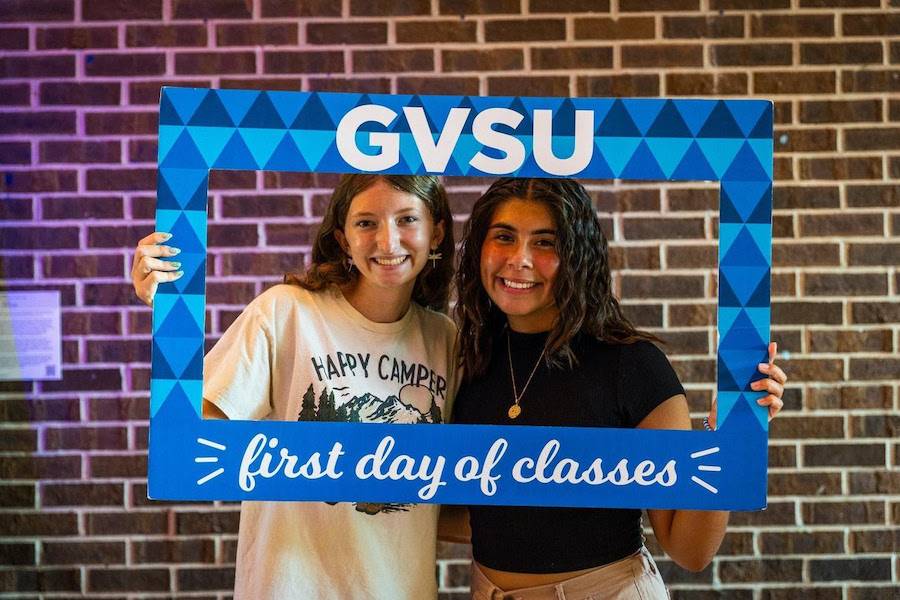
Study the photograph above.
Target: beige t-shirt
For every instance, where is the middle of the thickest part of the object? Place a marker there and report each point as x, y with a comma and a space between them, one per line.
299, 355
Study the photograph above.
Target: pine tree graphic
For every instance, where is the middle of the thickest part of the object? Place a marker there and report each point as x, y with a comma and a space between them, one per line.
308, 407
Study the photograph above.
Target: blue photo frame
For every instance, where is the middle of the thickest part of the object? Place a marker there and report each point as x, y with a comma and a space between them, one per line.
729, 141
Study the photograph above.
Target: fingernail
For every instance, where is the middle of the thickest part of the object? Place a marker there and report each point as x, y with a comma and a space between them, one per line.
764, 366
174, 251
178, 274
167, 236
176, 264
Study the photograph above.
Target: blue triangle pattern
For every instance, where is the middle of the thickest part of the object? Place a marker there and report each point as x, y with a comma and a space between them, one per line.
287, 157
184, 154
236, 155
237, 102
643, 111
262, 114
743, 252
745, 167
618, 123
720, 124
262, 142
694, 166
211, 112
642, 165
669, 123
167, 113
313, 116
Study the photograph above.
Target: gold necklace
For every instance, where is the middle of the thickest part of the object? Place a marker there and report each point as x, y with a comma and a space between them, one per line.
515, 410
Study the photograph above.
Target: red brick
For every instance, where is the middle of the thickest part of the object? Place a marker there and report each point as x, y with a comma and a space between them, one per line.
435, 31
16, 209
256, 34
15, 153
668, 55
870, 25
887, 254
47, 580
118, 351
14, 38
732, 55
524, 30
81, 494
588, 57
206, 9
776, 513
125, 65
82, 266
80, 207
77, 553
885, 138
110, 294
792, 26
875, 426
155, 36
749, 4
845, 284
874, 368
843, 455
840, 53
840, 111
622, 28
142, 151
79, 380
794, 82
115, 10
211, 63
619, 85
40, 467
857, 167
86, 323
483, 60
703, 27
58, 93
392, 61
706, 84
304, 62
41, 524
347, 33
18, 440
662, 286
173, 551
669, 228
76, 38
40, 238
555, 6
658, 5
17, 267
460, 7
871, 541
86, 438
119, 409
125, 180
128, 580
122, 123
192, 580
626, 200
760, 570
691, 257
306, 8
870, 80
80, 152
839, 3
34, 67
14, 94
36, 10
805, 140
17, 554
807, 313
804, 484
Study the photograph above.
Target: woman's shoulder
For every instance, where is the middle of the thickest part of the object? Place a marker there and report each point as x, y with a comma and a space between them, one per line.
283, 296
434, 320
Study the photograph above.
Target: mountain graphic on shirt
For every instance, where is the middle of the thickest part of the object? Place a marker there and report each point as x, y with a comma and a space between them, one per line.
338, 404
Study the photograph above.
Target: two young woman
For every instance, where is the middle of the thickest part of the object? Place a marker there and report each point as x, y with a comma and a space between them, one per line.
542, 342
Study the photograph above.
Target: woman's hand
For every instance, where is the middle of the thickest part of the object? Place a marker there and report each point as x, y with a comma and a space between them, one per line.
774, 385
148, 271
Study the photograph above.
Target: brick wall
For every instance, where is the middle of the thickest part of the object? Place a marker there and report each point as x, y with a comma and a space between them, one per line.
79, 83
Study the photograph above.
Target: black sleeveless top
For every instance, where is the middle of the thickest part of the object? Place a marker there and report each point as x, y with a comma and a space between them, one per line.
613, 385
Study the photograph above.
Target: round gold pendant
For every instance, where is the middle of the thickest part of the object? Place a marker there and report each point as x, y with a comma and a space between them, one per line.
514, 411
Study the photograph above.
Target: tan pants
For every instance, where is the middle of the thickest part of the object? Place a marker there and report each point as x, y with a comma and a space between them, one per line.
632, 578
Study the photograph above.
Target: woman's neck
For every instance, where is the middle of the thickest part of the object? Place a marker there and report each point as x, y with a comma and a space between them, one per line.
379, 305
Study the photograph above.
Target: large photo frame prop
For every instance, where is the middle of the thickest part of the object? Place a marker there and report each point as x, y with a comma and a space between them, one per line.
729, 141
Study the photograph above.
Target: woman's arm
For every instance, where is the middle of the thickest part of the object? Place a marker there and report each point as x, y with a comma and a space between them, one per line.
453, 525
211, 411
692, 537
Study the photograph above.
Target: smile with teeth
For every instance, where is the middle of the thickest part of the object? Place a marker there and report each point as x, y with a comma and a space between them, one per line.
518, 285
390, 262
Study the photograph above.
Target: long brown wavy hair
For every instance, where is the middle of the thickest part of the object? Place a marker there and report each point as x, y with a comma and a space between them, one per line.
582, 290
329, 266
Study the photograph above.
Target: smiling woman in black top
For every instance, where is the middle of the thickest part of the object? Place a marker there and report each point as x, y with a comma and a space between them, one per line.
544, 342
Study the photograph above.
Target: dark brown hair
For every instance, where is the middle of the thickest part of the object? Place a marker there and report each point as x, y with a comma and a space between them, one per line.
583, 287
329, 266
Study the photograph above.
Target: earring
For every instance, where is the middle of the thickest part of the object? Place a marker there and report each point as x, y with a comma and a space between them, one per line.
349, 263
434, 256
